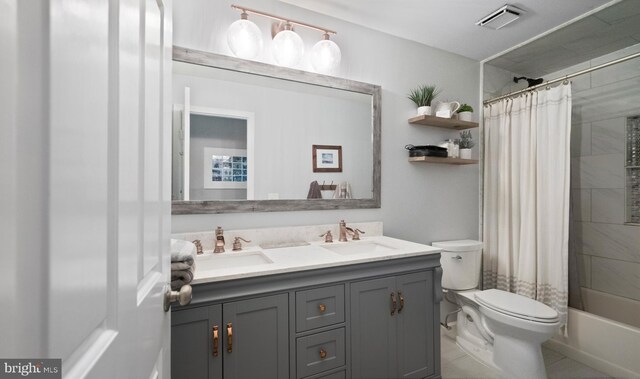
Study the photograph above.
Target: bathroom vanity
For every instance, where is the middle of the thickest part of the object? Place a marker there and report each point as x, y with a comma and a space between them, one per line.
357, 309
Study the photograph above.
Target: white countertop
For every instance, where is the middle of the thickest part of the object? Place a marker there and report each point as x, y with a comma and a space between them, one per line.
211, 267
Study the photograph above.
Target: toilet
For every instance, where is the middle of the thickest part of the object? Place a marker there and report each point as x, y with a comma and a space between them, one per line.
501, 329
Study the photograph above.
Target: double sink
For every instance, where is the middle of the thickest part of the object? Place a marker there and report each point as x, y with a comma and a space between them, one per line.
258, 257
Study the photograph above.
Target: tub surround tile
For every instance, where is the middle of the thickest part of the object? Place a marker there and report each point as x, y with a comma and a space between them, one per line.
613, 307
606, 102
621, 71
608, 136
580, 139
620, 242
579, 83
616, 277
607, 205
584, 267
599, 171
581, 203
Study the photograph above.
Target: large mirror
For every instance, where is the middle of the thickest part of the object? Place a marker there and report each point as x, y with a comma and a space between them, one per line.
253, 137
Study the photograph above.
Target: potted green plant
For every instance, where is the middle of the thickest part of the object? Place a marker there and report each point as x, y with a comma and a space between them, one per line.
465, 112
422, 97
466, 143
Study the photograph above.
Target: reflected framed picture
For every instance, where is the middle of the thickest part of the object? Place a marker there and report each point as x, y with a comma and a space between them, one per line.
327, 158
225, 168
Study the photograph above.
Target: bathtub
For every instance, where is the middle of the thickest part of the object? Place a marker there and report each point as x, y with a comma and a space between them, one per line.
606, 345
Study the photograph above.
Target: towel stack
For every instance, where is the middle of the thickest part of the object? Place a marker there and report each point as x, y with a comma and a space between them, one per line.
182, 263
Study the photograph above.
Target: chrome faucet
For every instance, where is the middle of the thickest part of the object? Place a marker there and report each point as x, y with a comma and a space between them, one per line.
219, 247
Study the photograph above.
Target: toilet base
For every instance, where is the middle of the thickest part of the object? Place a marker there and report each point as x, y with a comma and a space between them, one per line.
482, 354
516, 358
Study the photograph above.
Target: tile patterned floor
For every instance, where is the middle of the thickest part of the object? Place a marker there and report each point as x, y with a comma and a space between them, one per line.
457, 364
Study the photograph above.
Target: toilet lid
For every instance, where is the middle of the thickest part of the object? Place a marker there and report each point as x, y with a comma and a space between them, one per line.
516, 305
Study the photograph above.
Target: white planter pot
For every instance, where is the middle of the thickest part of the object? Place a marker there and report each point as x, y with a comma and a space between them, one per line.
465, 153
465, 116
424, 111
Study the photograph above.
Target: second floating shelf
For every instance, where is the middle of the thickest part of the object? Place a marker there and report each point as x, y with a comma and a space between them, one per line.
457, 161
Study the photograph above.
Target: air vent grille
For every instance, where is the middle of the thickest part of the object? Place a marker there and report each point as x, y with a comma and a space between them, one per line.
501, 17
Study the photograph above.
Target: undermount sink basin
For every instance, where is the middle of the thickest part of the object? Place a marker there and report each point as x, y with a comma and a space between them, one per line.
231, 260
353, 248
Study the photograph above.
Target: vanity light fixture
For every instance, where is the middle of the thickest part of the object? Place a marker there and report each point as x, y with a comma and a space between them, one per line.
244, 38
325, 55
288, 47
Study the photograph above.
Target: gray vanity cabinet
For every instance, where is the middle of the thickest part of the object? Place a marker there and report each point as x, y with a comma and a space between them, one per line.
331, 323
392, 333
233, 340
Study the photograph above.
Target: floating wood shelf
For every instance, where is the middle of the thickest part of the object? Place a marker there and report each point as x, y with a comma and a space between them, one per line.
457, 161
442, 122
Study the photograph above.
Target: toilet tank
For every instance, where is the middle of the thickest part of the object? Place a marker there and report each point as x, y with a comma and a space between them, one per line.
461, 263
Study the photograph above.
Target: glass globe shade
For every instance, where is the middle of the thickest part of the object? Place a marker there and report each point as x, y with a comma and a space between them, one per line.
325, 56
288, 48
244, 39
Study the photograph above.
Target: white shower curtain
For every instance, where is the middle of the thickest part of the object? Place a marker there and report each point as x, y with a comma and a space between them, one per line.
526, 196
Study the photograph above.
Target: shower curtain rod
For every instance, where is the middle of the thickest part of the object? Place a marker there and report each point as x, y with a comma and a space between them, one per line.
566, 77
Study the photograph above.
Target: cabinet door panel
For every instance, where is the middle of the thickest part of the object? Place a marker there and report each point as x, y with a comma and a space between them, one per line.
191, 343
260, 338
373, 329
415, 325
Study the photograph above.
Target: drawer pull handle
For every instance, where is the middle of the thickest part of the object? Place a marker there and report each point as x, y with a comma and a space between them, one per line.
394, 304
401, 301
322, 308
323, 354
215, 340
229, 337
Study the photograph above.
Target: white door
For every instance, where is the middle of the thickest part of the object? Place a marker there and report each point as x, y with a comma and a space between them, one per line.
85, 194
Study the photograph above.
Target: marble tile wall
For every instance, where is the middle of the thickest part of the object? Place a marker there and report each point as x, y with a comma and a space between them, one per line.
608, 250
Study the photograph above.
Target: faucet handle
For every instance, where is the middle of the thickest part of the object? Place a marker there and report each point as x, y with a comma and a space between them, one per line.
198, 246
237, 245
356, 234
327, 236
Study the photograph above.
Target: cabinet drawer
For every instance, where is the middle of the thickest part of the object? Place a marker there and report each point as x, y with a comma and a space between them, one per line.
320, 352
335, 375
319, 307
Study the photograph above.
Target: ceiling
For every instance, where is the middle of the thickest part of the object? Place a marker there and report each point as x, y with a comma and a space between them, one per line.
450, 24
600, 33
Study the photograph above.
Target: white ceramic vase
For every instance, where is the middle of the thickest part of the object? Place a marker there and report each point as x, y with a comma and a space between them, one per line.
465, 153
424, 111
465, 116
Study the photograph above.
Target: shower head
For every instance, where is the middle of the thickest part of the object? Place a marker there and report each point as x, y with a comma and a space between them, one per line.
532, 82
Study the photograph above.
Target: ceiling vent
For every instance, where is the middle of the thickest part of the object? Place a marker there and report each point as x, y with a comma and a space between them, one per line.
501, 17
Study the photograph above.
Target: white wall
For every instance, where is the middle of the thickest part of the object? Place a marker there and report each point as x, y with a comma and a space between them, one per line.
420, 202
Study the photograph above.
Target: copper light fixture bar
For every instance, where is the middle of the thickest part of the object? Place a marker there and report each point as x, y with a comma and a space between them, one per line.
286, 20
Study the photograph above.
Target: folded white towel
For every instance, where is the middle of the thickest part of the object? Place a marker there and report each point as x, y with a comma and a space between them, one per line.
183, 251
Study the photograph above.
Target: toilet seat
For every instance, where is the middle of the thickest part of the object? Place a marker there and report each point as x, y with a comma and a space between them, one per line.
517, 306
